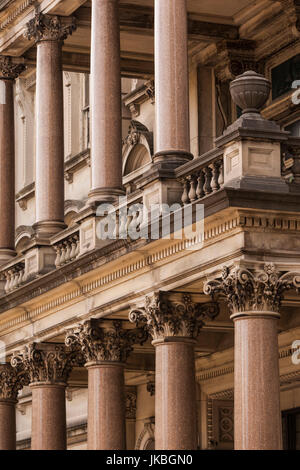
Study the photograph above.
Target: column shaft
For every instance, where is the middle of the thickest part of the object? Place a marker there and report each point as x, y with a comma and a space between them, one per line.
257, 422
7, 425
49, 138
171, 79
7, 171
175, 396
106, 407
48, 417
105, 102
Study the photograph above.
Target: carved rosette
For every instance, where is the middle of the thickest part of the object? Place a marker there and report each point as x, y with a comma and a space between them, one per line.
11, 381
8, 69
248, 290
49, 28
102, 343
164, 318
47, 363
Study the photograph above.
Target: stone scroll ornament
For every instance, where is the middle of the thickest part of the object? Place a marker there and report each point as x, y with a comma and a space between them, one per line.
164, 318
49, 28
8, 69
48, 363
250, 290
109, 342
11, 381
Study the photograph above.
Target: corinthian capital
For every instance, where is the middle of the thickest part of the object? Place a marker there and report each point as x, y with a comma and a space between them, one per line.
49, 28
49, 363
105, 342
248, 290
165, 318
10, 70
11, 381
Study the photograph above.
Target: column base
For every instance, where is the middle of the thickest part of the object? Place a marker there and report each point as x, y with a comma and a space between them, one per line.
47, 228
172, 158
6, 255
105, 195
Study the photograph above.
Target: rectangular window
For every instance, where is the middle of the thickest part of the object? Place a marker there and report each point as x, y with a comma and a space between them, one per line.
291, 429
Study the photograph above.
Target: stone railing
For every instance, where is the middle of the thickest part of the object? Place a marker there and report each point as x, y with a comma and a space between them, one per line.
13, 276
202, 176
66, 246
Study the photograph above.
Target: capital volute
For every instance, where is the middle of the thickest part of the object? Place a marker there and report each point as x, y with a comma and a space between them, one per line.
165, 318
11, 381
257, 291
10, 68
47, 363
105, 341
49, 28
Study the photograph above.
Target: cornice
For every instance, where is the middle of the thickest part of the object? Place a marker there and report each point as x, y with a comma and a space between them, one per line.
16, 305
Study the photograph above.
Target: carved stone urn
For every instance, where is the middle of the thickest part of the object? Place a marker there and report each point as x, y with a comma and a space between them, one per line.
250, 91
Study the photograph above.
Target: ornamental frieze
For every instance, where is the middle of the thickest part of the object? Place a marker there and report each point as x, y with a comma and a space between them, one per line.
164, 318
49, 28
110, 342
49, 363
250, 290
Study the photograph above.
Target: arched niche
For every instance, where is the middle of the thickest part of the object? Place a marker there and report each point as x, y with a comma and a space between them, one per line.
146, 439
23, 237
137, 151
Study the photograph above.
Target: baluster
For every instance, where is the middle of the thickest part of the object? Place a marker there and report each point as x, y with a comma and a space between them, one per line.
185, 195
200, 186
6, 288
77, 247
207, 184
221, 174
67, 251
192, 192
215, 176
63, 254
58, 256
73, 248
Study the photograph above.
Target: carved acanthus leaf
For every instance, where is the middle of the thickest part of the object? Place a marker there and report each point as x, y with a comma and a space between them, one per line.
105, 343
131, 405
49, 28
164, 318
9, 69
249, 290
47, 362
11, 381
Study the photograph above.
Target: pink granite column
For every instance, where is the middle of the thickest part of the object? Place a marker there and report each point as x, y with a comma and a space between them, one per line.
7, 424
47, 366
8, 73
171, 81
257, 416
174, 324
175, 395
105, 102
49, 33
106, 407
11, 382
106, 345
48, 417
254, 297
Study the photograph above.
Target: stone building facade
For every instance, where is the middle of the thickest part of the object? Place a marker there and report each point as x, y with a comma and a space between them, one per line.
170, 339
